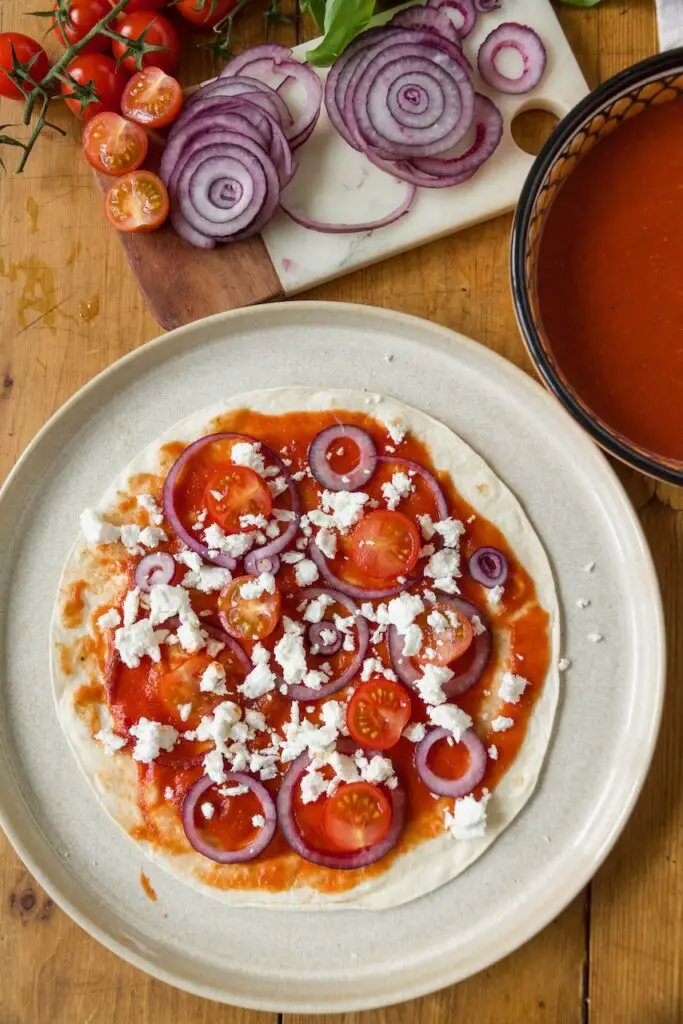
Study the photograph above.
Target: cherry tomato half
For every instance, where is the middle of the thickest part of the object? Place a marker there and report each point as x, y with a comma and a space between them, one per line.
137, 202
357, 816
248, 618
83, 15
385, 544
113, 145
26, 51
158, 32
378, 713
108, 82
447, 644
236, 491
206, 13
152, 98
179, 685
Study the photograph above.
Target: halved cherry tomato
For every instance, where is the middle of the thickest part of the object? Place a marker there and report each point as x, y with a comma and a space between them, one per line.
158, 32
113, 145
152, 98
385, 544
231, 825
206, 13
107, 80
180, 685
248, 618
82, 17
26, 51
445, 645
357, 816
137, 202
378, 713
236, 491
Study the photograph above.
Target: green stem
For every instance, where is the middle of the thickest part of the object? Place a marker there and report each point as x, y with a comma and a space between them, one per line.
37, 129
73, 49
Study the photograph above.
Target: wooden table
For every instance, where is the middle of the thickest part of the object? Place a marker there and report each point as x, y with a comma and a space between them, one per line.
68, 308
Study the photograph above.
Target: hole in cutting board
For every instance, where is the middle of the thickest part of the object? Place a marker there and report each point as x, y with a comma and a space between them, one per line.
532, 128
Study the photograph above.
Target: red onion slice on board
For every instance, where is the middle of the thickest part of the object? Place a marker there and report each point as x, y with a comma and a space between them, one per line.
342, 73
464, 8
451, 787
463, 679
489, 566
250, 89
318, 635
528, 45
341, 861
426, 19
256, 846
349, 589
432, 483
351, 229
306, 693
153, 569
486, 6
488, 125
320, 466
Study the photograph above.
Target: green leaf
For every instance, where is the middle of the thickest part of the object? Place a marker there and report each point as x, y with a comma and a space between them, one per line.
344, 20
580, 3
316, 9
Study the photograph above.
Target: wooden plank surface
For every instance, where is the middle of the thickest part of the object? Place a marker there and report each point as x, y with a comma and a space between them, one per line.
69, 306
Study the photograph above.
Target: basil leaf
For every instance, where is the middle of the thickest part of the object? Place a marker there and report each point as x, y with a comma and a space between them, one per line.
344, 20
580, 3
316, 9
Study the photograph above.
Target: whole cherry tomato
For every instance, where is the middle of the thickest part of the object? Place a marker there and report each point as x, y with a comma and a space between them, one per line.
27, 52
158, 31
108, 82
83, 15
206, 13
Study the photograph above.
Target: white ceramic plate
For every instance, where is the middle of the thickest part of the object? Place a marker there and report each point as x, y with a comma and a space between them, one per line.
608, 718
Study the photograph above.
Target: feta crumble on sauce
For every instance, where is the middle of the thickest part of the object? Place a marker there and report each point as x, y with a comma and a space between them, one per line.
195, 709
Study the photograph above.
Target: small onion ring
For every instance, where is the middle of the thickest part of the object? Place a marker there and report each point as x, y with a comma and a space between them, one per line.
451, 787
360, 593
465, 8
306, 693
325, 649
341, 861
529, 46
255, 564
323, 472
461, 681
429, 479
155, 568
489, 566
261, 841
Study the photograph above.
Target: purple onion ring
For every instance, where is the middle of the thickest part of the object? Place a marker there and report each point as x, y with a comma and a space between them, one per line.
429, 479
349, 229
256, 846
426, 19
465, 9
489, 566
320, 466
461, 681
349, 589
306, 693
341, 861
254, 564
451, 787
324, 648
157, 567
488, 122
530, 48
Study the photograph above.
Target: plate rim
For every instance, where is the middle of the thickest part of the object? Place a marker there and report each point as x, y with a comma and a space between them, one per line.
536, 918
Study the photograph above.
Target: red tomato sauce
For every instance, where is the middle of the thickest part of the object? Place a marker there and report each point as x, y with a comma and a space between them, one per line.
134, 693
609, 279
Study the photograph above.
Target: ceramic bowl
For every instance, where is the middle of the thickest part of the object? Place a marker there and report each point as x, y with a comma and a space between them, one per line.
656, 80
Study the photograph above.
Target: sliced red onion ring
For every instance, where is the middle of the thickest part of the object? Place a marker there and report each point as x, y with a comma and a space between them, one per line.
306, 693
462, 680
488, 122
157, 567
486, 6
530, 48
321, 468
218, 633
489, 566
341, 74
349, 589
451, 787
255, 564
426, 19
465, 8
429, 479
350, 229
324, 647
255, 92
201, 845
341, 861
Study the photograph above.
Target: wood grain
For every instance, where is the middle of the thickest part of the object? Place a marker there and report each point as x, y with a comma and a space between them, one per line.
69, 306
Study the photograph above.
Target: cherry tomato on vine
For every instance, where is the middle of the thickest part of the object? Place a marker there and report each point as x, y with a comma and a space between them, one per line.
152, 98
160, 33
206, 13
82, 16
113, 145
27, 52
108, 82
133, 6
137, 202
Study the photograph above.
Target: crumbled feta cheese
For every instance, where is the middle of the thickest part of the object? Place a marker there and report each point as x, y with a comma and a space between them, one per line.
246, 454
430, 684
258, 521
313, 786
208, 810
589, 566
151, 738
563, 664
290, 655
191, 636
452, 718
213, 679
277, 486
443, 564
131, 606
263, 584
110, 620
261, 679
401, 612
315, 610
208, 579
437, 621
184, 710
399, 487
478, 626
371, 667
511, 688
135, 641
582, 602
345, 507
426, 526
234, 544
502, 724
96, 530
468, 820
168, 793
412, 641
214, 766
377, 769
595, 638
256, 720
333, 715
306, 572
415, 732
166, 601
494, 596
451, 530
292, 557
129, 535
152, 536
327, 542
429, 595
258, 821
146, 501
397, 430
493, 752
110, 741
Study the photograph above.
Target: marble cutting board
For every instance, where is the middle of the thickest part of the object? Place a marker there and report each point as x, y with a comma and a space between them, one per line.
334, 183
